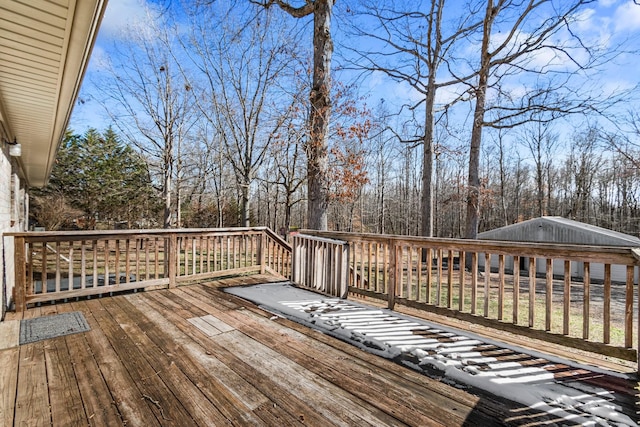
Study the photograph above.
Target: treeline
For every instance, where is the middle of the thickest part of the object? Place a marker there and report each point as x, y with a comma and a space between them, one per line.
467, 129
100, 181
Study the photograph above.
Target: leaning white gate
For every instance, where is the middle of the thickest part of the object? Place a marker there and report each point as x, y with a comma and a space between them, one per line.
321, 264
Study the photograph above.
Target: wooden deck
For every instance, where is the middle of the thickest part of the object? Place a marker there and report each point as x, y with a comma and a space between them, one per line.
197, 356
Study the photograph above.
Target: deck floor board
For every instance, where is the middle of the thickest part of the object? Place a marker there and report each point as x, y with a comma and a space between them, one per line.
331, 365
195, 355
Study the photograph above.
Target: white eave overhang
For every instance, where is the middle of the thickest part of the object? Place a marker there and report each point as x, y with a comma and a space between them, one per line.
44, 51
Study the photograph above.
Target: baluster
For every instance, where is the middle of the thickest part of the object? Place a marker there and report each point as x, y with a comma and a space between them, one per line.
567, 297
606, 309
586, 301
516, 289
548, 295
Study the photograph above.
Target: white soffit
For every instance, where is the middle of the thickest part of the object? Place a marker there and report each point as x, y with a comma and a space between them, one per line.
44, 50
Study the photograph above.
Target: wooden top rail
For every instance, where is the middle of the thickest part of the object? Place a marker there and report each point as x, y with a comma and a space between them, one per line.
320, 239
52, 236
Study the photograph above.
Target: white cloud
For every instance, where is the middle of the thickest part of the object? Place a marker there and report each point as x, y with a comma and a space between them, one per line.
123, 14
100, 59
627, 17
607, 3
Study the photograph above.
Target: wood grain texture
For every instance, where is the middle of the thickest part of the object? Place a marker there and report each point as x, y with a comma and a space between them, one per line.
194, 355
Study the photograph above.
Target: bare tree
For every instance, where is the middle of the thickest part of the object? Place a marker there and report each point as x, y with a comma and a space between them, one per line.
242, 66
580, 167
513, 35
541, 141
287, 165
320, 99
150, 102
410, 44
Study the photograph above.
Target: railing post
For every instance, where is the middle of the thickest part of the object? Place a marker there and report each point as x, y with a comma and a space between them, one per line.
20, 261
172, 252
394, 273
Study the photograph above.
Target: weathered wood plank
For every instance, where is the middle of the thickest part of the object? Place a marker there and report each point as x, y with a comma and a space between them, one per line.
205, 327
9, 334
628, 309
332, 402
186, 393
32, 398
516, 289
606, 305
123, 388
217, 323
262, 381
501, 281
586, 301
483, 411
566, 306
230, 393
329, 363
158, 396
9, 360
66, 403
274, 415
97, 401
548, 295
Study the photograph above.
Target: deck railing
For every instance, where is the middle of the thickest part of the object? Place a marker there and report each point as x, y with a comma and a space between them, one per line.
577, 296
56, 265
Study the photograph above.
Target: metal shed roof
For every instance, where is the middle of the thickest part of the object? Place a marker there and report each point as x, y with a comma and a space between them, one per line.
555, 229
44, 50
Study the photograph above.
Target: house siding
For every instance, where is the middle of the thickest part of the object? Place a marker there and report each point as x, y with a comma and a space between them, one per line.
13, 217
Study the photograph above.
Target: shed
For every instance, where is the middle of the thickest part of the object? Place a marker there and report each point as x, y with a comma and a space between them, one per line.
555, 229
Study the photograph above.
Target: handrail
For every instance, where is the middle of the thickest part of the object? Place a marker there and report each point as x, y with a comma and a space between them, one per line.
56, 265
574, 295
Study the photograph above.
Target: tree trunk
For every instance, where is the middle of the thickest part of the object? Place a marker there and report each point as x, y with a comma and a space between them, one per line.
244, 206
426, 226
166, 195
473, 192
317, 161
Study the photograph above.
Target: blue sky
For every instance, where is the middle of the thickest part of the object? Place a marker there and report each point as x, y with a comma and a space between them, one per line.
608, 21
